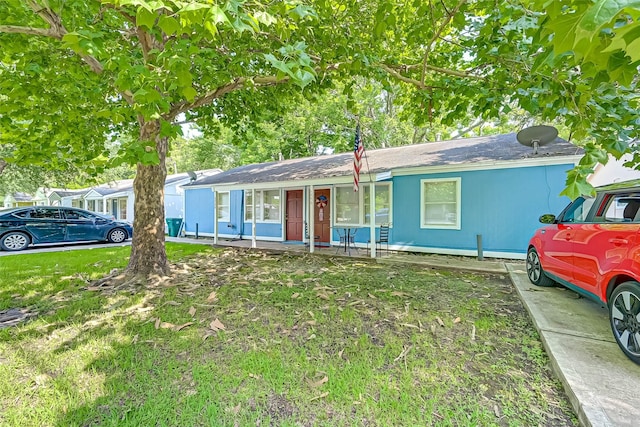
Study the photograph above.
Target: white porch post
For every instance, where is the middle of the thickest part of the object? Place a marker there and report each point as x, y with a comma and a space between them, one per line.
312, 220
372, 218
254, 243
215, 216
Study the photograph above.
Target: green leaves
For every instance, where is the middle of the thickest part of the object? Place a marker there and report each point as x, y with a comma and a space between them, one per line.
576, 184
603, 12
145, 18
295, 64
567, 62
627, 39
589, 30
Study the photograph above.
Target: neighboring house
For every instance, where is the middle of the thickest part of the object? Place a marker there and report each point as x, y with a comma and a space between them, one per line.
18, 199
59, 197
115, 198
613, 171
442, 197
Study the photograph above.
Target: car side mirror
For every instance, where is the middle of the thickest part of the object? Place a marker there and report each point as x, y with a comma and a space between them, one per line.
547, 218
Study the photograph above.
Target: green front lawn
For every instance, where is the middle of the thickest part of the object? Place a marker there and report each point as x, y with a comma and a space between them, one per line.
249, 338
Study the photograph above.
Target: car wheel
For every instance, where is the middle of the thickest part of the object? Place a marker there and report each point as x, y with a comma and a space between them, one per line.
536, 274
624, 315
117, 235
14, 241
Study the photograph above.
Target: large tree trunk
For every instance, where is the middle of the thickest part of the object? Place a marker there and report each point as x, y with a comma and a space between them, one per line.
148, 255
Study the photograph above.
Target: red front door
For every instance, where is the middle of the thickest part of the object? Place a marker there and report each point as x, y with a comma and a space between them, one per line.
322, 218
294, 220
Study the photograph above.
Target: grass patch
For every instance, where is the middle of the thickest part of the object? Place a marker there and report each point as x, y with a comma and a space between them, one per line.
299, 340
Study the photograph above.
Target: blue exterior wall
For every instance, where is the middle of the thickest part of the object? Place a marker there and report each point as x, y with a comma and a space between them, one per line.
198, 209
503, 205
264, 229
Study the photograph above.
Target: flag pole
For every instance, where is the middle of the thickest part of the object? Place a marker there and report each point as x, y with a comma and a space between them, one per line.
358, 152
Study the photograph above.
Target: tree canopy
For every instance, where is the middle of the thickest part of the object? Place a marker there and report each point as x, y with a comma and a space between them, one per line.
76, 74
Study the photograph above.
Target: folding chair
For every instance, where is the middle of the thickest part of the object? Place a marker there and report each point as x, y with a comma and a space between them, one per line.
383, 238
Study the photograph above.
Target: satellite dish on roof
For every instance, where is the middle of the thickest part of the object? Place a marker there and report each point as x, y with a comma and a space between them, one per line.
536, 136
192, 176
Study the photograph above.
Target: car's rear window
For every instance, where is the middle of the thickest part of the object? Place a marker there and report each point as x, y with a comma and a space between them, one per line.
22, 214
46, 213
623, 208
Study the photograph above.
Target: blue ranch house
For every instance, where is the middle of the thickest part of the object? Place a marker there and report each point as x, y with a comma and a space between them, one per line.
437, 197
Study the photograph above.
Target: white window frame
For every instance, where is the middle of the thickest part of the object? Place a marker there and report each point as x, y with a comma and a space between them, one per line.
88, 202
361, 208
365, 206
258, 206
458, 222
248, 207
221, 218
122, 208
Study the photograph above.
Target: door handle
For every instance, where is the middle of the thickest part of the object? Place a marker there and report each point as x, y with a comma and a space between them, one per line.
618, 241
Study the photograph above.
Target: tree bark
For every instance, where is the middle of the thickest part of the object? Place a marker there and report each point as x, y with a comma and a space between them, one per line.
148, 254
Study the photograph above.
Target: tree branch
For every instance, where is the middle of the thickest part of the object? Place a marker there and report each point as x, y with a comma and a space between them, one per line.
460, 133
402, 78
219, 92
56, 30
436, 35
3, 164
34, 31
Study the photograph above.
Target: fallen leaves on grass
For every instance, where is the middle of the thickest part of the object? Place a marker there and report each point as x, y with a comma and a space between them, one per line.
320, 396
409, 325
216, 325
159, 324
213, 297
181, 327
403, 354
323, 295
316, 384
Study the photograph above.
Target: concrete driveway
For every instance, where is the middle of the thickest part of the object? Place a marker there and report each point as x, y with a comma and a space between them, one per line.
598, 378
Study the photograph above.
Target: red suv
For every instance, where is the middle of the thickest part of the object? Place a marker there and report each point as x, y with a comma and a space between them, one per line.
593, 247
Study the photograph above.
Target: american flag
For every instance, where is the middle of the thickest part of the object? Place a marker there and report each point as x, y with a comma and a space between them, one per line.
358, 150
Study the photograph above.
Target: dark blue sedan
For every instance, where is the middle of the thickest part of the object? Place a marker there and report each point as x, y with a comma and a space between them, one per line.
35, 225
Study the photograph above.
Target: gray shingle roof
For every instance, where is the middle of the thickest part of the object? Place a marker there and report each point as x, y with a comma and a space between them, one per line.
67, 193
22, 197
455, 152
